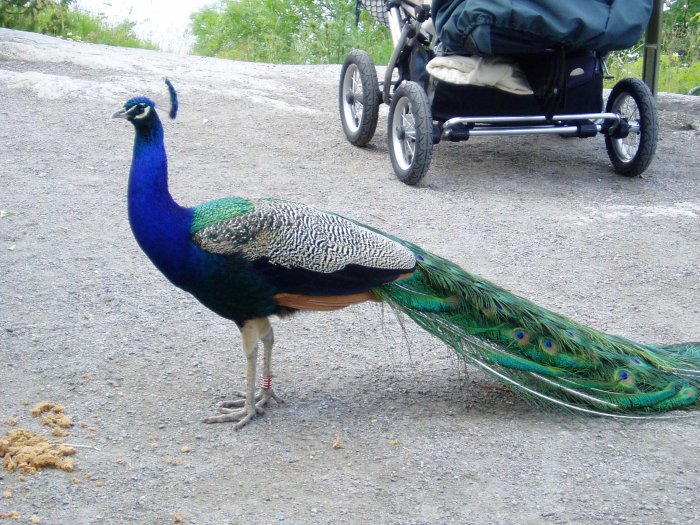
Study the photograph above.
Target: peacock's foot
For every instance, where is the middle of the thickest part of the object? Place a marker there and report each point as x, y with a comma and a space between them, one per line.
235, 411
262, 398
240, 416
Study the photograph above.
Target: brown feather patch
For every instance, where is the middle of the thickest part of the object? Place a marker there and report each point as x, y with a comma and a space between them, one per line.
322, 302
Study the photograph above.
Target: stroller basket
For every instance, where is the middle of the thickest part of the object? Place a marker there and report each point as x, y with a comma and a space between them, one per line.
449, 86
376, 8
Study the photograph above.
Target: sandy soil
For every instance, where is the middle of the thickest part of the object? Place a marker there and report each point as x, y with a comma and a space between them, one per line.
88, 323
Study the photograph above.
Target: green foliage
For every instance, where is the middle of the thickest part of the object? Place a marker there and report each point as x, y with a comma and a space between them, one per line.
34, 15
680, 50
85, 27
292, 31
675, 75
324, 31
57, 18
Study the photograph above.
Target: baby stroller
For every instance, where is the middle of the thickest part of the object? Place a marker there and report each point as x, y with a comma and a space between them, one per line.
466, 68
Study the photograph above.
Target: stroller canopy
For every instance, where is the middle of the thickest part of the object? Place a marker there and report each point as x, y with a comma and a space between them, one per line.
497, 27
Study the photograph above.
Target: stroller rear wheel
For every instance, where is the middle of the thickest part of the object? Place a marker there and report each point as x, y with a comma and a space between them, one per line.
359, 98
631, 152
410, 133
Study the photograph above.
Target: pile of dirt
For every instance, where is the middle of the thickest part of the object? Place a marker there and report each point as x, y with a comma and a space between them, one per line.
54, 417
27, 453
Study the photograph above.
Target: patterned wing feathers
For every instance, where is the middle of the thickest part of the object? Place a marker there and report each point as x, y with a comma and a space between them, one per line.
296, 236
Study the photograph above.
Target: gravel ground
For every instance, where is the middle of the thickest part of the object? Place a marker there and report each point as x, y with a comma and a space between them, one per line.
87, 322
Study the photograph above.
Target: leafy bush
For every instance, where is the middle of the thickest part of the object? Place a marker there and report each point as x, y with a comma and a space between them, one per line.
58, 18
680, 50
291, 31
324, 31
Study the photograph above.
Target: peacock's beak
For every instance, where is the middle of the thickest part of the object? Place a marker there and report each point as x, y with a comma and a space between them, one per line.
120, 114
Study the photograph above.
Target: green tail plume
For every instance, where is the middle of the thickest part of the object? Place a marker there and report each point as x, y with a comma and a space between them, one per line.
540, 354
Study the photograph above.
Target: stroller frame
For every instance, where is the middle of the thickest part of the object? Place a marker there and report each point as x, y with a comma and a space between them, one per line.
629, 122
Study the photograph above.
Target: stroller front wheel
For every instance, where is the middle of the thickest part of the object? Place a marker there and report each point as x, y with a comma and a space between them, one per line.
359, 98
632, 153
410, 133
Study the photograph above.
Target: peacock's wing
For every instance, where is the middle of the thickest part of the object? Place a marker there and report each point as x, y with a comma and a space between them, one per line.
299, 249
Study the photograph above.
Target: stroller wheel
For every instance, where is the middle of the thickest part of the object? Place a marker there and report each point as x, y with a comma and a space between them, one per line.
359, 98
410, 133
632, 152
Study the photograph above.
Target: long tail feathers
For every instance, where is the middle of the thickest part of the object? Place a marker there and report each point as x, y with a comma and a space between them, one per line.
540, 354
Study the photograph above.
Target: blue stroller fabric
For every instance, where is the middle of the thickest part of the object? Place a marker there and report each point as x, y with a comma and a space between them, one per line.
497, 27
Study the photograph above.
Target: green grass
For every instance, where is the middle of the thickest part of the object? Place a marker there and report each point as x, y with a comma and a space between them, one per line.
680, 53
58, 19
675, 75
304, 32
287, 31
85, 27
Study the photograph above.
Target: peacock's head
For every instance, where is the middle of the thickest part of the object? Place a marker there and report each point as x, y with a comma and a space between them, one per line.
138, 111
142, 111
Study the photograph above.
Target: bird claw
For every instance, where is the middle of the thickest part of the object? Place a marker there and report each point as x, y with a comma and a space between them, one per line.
235, 410
240, 412
236, 403
242, 417
262, 398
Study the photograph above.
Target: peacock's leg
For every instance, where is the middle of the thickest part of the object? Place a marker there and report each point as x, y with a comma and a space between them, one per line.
251, 332
266, 392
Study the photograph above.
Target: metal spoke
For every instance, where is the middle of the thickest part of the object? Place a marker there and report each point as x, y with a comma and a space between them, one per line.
409, 130
357, 89
627, 147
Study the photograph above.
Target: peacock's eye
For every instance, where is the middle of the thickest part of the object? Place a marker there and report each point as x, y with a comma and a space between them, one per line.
140, 110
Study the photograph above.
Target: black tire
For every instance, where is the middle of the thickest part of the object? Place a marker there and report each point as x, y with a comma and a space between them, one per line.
632, 99
359, 98
410, 133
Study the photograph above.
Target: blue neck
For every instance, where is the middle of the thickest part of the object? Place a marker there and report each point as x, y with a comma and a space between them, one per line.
159, 224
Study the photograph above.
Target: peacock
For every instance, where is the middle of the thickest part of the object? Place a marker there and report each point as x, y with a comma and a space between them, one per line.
247, 259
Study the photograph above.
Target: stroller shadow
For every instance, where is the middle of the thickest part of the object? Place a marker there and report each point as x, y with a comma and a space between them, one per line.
548, 162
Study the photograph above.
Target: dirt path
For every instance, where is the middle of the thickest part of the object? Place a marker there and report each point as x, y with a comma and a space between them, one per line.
87, 322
